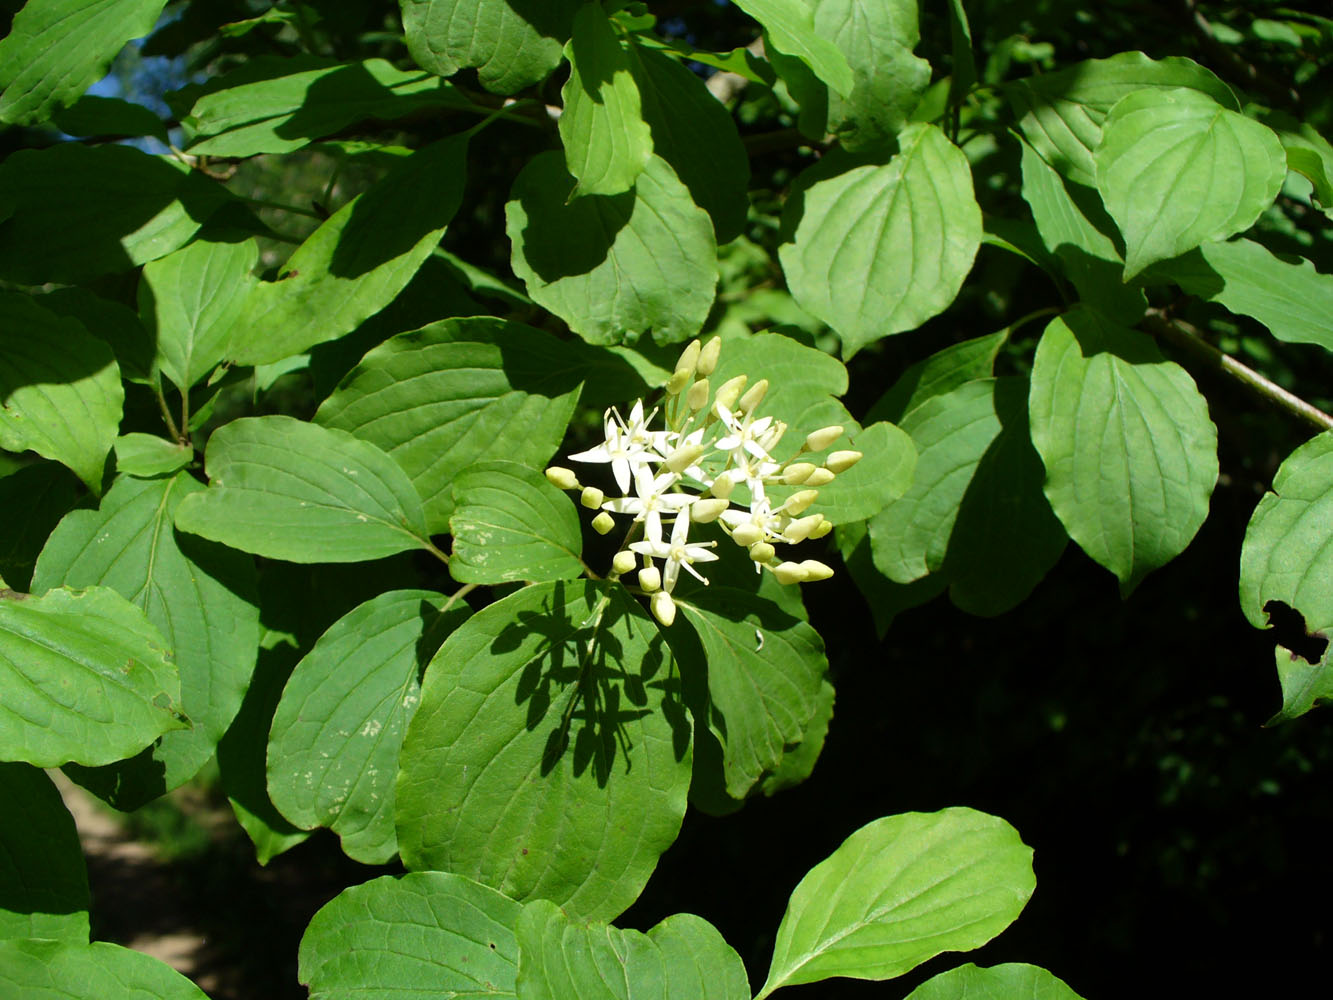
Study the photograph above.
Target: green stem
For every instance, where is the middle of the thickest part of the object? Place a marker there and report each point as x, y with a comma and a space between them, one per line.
430, 547
458, 594
166, 411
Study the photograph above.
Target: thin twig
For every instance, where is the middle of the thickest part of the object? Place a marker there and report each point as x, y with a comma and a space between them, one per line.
166, 410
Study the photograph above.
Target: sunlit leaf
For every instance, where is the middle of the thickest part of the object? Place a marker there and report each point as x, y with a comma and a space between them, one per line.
790, 27
67, 970
999, 982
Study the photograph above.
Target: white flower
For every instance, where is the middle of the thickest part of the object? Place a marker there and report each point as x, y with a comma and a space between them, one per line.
628, 446
748, 435
651, 500
677, 553
760, 514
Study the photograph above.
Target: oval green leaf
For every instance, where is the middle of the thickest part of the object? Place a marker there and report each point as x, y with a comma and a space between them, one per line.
67, 970
43, 880
1014, 981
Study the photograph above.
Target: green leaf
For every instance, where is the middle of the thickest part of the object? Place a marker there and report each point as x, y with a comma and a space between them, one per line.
798, 762
550, 756
694, 132
790, 27
682, 958
1129, 450
57, 49
975, 513
87, 679
1000, 982
512, 43
287, 489
68, 970
354, 264
43, 881
420, 936
77, 212
804, 382
942, 372
883, 474
191, 301
34, 499
764, 672
885, 598
614, 267
607, 143
109, 116
510, 524
1308, 154
333, 747
60, 391
455, 393
1175, 169
201, 598
964, 75
1061, 113
881, 249
1076, 229
1287, 560
1293, 300
116, 325
899, 891
276, 105
148, 455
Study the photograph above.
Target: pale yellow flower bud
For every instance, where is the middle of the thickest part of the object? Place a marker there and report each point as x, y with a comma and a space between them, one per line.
689, 358
762, 552
753, 396
562, 478
708, 510
841, 461
708, 356
747, 534
820, 477
624, 562
789, 572
799, 501
822, 438
697, 398
798, 472
603, 523
650, 579
800, 529
663, 608
677, 382
722, 487
816, 570
730, 390
683, 457
822, 529
591, 497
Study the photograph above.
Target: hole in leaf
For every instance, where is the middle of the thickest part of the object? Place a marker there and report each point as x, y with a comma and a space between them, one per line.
1288, 628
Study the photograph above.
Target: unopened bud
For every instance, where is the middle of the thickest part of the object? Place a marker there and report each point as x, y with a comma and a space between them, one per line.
762, 552
797, 473
730, 390
603, 523
816, 570
591, 497
841, 461
697, 398
822, 438
650, 579
789, 572
747, 534
689, 358
624, 562
708, 356
822, 529
708, 510
683, 457
801, 529
663, 608
722, 487
799, 501
753, 396
677, 382
820, 477
562, 478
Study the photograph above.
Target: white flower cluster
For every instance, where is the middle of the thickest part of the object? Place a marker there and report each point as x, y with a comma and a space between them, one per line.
688, 471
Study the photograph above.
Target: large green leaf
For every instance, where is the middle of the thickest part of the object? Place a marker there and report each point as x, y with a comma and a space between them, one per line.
614, 267
115, 324
86, 679
419, 936
804, 383
695, 133
682, 958
901, 890
764, 671
881, 249
1287, 560
1000, 982
43, 881
110, 116
201, 597
60, 391
883, 474
68, 970
1292, 299
76, 212
191, 300
510, 524
607, 142
354, 264
276, 105
790, 27
1175, 169
333, 748
512, 43
56, 49
941, 372
1129, 450
458, 392
287, 489
550, 756
1061, 113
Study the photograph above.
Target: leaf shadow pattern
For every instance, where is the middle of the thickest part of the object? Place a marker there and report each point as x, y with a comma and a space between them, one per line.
563, 238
